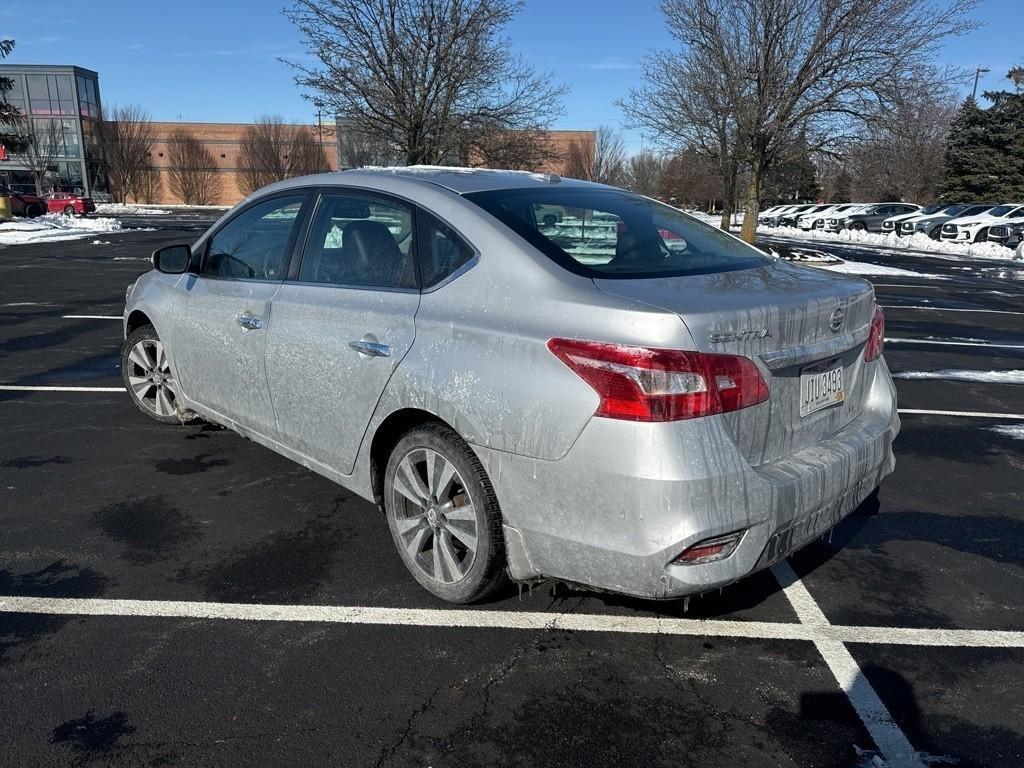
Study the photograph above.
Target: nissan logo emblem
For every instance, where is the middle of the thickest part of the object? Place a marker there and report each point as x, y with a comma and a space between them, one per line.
835, 320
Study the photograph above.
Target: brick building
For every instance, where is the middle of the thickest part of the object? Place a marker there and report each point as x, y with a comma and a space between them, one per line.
224, 141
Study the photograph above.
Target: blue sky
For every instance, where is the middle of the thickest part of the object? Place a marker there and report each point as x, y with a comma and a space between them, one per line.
217, 61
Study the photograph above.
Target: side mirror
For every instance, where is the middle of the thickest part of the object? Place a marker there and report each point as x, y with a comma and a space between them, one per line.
172, 259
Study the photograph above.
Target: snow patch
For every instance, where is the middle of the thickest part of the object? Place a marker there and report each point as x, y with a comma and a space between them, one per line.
120, 209
916, 242
54, 227
990, 377
863, 268
1016, 431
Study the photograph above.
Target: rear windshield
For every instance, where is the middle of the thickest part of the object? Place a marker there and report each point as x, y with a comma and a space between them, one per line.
611, 233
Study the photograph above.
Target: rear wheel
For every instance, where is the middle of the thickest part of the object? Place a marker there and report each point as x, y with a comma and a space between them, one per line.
147, 375
444, 515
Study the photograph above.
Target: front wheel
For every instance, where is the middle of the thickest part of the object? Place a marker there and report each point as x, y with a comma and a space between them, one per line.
146, 372
858, 226
69, 210
444, 516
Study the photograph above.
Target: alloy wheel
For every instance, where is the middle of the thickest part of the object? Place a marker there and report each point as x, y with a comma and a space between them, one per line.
150, 378
434, 515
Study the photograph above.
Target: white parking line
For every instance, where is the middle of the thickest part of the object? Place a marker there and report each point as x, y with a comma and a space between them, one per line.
890, 740
952, 309
18, 388
485, 619
968, 414
939, 343
93, 317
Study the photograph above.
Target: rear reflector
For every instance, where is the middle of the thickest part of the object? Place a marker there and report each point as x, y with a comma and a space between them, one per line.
876, 338
709, 550
652, 384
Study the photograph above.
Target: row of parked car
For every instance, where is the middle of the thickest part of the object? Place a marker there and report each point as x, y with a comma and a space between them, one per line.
30, 206
952, 222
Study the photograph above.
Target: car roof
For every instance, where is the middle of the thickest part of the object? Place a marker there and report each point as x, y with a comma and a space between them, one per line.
455, 179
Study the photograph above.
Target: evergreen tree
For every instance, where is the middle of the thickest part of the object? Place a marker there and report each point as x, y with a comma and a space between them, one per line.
11, 140
984, 159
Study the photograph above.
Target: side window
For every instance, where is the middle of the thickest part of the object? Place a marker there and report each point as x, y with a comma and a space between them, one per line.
442, 252
359, 240
254, 244
886, 210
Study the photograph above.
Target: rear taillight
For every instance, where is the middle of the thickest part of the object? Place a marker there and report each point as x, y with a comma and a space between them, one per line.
709, 550
650, 384
873, 349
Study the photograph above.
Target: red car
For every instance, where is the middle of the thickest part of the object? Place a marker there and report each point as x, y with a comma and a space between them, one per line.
24, 204
65, 202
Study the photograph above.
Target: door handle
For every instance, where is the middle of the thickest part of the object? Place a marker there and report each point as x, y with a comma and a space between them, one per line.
371, 348
249, 321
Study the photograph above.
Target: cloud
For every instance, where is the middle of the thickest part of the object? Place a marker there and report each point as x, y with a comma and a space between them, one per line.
614, 63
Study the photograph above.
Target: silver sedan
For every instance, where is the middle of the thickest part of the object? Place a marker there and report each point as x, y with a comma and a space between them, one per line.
533, 377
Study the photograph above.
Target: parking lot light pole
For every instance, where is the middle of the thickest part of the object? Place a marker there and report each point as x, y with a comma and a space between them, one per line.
978, 71
320, 131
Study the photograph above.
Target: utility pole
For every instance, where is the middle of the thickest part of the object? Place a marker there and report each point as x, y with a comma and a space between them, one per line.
978, 71
320, 129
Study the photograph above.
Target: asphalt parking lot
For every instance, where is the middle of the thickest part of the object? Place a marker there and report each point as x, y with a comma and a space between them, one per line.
178, 595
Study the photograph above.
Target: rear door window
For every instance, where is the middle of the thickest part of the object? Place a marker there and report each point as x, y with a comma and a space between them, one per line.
360, 240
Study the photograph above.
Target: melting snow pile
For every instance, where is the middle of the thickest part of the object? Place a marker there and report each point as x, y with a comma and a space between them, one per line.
991, 377
124, 209
916, 242
54, 227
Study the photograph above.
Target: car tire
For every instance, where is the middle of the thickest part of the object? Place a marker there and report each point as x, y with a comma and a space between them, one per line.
146, 373
982, 235
550, 220
858, 226
936, 233
432, 477
33, 210
69, 210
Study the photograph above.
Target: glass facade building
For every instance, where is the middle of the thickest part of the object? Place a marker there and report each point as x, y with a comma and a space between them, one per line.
63, 108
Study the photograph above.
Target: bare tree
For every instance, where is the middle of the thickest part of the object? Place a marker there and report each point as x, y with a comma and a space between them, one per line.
39, 154
782, 68
579, 159
684, 107
272, 150
494, 146
126, 136
603, 160
692, 179
357, 149
149, 186
192, 170
899, 153
644, 172
421, 76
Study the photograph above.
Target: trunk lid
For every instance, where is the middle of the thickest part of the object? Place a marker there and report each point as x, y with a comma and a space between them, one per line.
782, 317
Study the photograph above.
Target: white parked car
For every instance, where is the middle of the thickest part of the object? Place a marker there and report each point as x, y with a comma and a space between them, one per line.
817, 219
973, 229
931, 224
892, 224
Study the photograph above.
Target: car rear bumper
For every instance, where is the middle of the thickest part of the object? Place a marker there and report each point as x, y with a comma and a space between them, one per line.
628, 498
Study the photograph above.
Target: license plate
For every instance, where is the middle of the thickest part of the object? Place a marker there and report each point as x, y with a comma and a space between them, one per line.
821, 386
